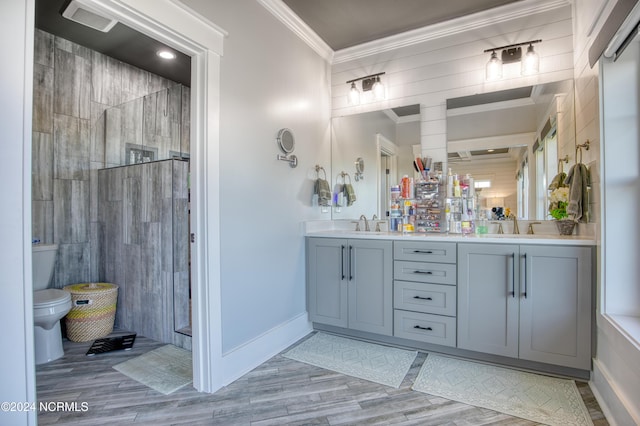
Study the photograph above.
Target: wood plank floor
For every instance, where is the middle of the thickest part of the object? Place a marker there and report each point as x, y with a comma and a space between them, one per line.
280, 391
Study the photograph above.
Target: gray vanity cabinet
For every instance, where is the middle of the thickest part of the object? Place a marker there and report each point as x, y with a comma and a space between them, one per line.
349, 283
531, 302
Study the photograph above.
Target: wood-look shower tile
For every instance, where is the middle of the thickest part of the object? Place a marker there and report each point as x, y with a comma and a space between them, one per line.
113, 132
72, 84
43, 48
135, 83
42, 120
73, 265
70, 147
41, 166
98, 133
42, 220
71, 211
106, 79
132, 219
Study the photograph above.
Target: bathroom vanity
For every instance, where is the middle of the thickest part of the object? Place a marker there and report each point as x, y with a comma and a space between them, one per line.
519, 300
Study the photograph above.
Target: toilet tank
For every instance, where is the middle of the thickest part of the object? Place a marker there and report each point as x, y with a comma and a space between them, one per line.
44, 259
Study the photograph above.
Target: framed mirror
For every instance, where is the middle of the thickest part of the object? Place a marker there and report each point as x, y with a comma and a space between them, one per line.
286, 140
510, 142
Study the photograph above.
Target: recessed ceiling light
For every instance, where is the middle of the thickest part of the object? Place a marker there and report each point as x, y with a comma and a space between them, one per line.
166, 54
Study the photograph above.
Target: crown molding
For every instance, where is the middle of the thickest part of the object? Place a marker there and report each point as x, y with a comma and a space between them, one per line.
299, 27
454, 26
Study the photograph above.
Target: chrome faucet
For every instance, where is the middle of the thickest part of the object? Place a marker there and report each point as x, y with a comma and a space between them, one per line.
366, 222
530, 231
516, 230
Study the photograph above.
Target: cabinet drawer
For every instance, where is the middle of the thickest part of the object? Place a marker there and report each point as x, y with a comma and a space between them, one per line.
427, 298
420, 251
425, 272
426, 328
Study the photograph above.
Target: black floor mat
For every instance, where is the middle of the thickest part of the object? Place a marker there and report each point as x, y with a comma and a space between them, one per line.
109, 344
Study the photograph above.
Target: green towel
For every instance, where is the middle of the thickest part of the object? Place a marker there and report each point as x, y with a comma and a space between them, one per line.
323, 191
558, 181
578, 180
349, 194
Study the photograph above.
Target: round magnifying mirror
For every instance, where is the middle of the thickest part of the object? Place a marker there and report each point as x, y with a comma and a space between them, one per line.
360, 165
286, 141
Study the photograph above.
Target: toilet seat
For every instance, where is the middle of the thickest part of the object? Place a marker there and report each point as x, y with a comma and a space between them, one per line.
50, 297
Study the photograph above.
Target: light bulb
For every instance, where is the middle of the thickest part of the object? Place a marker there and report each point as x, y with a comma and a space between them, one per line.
378, 90
354, 94
494, 67
530, 62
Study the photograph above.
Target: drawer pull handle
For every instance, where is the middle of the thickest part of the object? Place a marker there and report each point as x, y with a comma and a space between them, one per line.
423, 251
422, 298
423, 272
423, 328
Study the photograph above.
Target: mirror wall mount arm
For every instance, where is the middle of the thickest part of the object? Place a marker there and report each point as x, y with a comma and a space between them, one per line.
292, 159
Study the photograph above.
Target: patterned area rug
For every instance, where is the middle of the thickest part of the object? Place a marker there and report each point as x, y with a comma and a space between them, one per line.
376, 363
534, 397
165, 369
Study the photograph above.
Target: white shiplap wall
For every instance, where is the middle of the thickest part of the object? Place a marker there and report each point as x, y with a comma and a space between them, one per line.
432, 71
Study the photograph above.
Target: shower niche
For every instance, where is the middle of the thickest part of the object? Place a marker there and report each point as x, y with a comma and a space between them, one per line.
143, 214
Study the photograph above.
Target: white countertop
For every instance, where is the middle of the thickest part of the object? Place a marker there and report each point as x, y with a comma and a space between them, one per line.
336, 229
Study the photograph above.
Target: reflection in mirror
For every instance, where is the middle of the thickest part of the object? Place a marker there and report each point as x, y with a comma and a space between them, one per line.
510, 141
387, 142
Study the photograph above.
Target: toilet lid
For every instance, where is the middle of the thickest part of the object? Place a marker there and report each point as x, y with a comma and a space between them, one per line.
50, 296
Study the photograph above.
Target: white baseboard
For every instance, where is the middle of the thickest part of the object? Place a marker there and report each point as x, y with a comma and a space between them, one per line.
605, 391
242, 359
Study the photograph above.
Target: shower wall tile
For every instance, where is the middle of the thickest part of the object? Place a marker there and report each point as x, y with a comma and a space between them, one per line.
131, 209
42, 99
98, 120
70, 148
70, 211
41, 166
93, 191
185, 121
42, 220
43, 48
72, 85
73, 48
106, 79
94, 251
181, 304
113, 136
135, 83
72, 266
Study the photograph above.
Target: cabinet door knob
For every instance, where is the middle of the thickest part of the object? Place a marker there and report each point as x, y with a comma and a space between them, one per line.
423, 328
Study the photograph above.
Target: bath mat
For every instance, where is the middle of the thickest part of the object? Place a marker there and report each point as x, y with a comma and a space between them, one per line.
368, 361
530, 396
165, 369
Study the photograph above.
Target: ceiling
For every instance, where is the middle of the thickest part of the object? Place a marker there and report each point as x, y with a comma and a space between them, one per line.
340, 23
347, 23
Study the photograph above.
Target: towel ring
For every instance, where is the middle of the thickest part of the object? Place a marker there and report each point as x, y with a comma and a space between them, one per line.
318, 168
579, 150
563, 160
344, 174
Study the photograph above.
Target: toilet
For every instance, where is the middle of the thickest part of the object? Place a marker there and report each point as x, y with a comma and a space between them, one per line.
50, 305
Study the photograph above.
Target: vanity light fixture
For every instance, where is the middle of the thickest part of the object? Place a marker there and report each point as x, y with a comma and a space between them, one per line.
370, 83
510, 54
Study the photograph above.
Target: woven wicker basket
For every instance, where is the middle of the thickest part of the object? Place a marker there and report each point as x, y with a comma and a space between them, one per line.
93, 310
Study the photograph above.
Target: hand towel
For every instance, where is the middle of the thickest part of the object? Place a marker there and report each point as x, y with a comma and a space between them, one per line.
558, 181
350, 194
578, 181
323, 191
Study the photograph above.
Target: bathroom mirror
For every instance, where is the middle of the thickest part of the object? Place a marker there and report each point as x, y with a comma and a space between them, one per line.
286, 141
492, 136
383, 140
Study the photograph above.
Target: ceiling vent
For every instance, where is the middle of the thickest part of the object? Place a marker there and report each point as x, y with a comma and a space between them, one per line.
86, 16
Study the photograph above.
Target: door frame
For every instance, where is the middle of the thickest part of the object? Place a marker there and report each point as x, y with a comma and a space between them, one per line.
174, 24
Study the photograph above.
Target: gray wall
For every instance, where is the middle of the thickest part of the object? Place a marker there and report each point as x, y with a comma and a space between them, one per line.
73, 86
